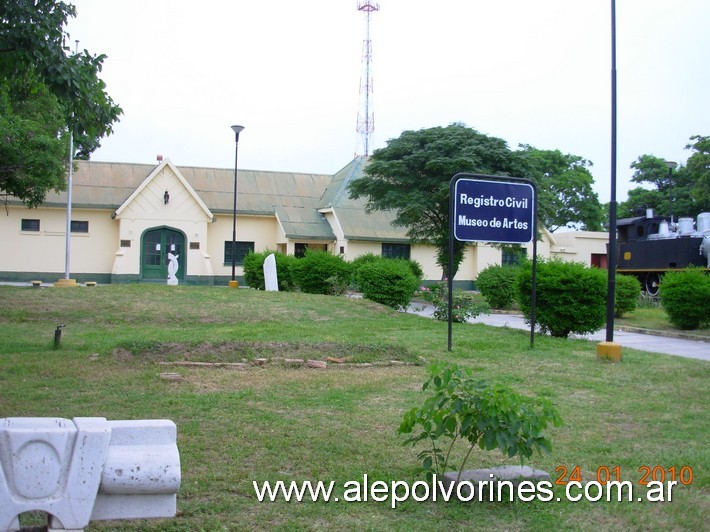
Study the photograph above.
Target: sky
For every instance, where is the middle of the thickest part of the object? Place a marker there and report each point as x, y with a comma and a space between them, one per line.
536, 73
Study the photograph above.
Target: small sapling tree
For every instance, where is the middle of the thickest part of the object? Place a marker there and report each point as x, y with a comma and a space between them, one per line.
464, 412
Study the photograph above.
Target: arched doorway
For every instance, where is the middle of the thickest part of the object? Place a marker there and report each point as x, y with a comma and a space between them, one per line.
157, 243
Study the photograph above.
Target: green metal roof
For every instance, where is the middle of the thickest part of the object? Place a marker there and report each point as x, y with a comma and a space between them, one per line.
336, 192
355, 222
304, 222
101, 185
295, 198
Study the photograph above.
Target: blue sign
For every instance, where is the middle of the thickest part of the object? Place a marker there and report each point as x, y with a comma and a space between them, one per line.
493, 211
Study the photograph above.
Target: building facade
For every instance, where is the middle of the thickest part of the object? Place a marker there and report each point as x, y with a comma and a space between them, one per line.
130, 220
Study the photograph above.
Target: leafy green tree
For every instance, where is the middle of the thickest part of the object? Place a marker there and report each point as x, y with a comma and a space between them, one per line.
566, 197
652, 170
688, 187
639, 199
44, 94
32, 150
698, 166
411, 176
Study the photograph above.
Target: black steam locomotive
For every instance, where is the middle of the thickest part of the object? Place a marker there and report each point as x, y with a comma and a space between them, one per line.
648, 246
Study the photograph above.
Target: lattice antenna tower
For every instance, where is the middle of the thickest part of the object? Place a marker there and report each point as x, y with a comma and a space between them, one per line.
365, 115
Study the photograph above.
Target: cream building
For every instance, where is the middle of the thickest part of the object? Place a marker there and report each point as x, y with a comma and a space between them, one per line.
587, 247
126, 218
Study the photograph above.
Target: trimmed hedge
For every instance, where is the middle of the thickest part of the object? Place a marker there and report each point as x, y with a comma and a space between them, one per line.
369, 258
497, 285
387, 281
570, 296
628, 292
684, 296
320, 272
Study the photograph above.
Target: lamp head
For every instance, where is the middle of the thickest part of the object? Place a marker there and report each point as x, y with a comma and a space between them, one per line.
671, 164
237, 130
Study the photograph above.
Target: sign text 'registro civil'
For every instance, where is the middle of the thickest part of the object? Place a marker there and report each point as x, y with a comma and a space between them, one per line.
493, 211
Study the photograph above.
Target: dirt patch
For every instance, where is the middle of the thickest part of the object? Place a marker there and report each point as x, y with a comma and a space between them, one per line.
246, 351
122, 355
277, 377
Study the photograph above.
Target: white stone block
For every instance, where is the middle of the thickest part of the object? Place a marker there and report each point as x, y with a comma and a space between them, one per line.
87, 468
271, 278
143, 460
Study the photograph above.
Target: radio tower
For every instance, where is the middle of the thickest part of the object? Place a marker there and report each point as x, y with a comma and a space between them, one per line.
365, 116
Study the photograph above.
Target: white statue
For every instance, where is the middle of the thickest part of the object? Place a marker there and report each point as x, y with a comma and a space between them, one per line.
271, 279
172, 268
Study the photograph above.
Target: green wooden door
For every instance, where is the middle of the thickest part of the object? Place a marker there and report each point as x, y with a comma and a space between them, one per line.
157, 243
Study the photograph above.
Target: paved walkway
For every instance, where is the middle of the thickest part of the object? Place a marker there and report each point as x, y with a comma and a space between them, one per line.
643, 342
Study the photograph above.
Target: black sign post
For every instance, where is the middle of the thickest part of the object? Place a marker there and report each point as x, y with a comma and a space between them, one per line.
485, 208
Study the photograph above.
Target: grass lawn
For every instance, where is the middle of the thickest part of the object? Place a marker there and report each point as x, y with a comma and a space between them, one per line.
654, 317
276, 423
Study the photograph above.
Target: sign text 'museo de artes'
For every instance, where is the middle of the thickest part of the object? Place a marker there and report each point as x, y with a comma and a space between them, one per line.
493, 211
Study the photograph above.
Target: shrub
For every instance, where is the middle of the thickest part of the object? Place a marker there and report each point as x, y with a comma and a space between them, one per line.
386, 281
497, 285
472, 413
465, 304
319, 272
364, 259
684, 297
369, 258
570, 296
628, 292
416, 268
360, 261
254, 269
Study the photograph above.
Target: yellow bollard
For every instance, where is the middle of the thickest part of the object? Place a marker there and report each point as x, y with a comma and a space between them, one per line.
64, 283
609, 351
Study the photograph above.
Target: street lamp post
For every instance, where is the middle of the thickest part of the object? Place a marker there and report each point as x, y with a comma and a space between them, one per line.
66, 281
671, 165
233, 283
609, 349
611, 285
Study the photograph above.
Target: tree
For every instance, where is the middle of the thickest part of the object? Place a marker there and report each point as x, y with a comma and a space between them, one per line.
565, 194
44, 94
652, 170
688, 187
698, 166
411, 176
32, 150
